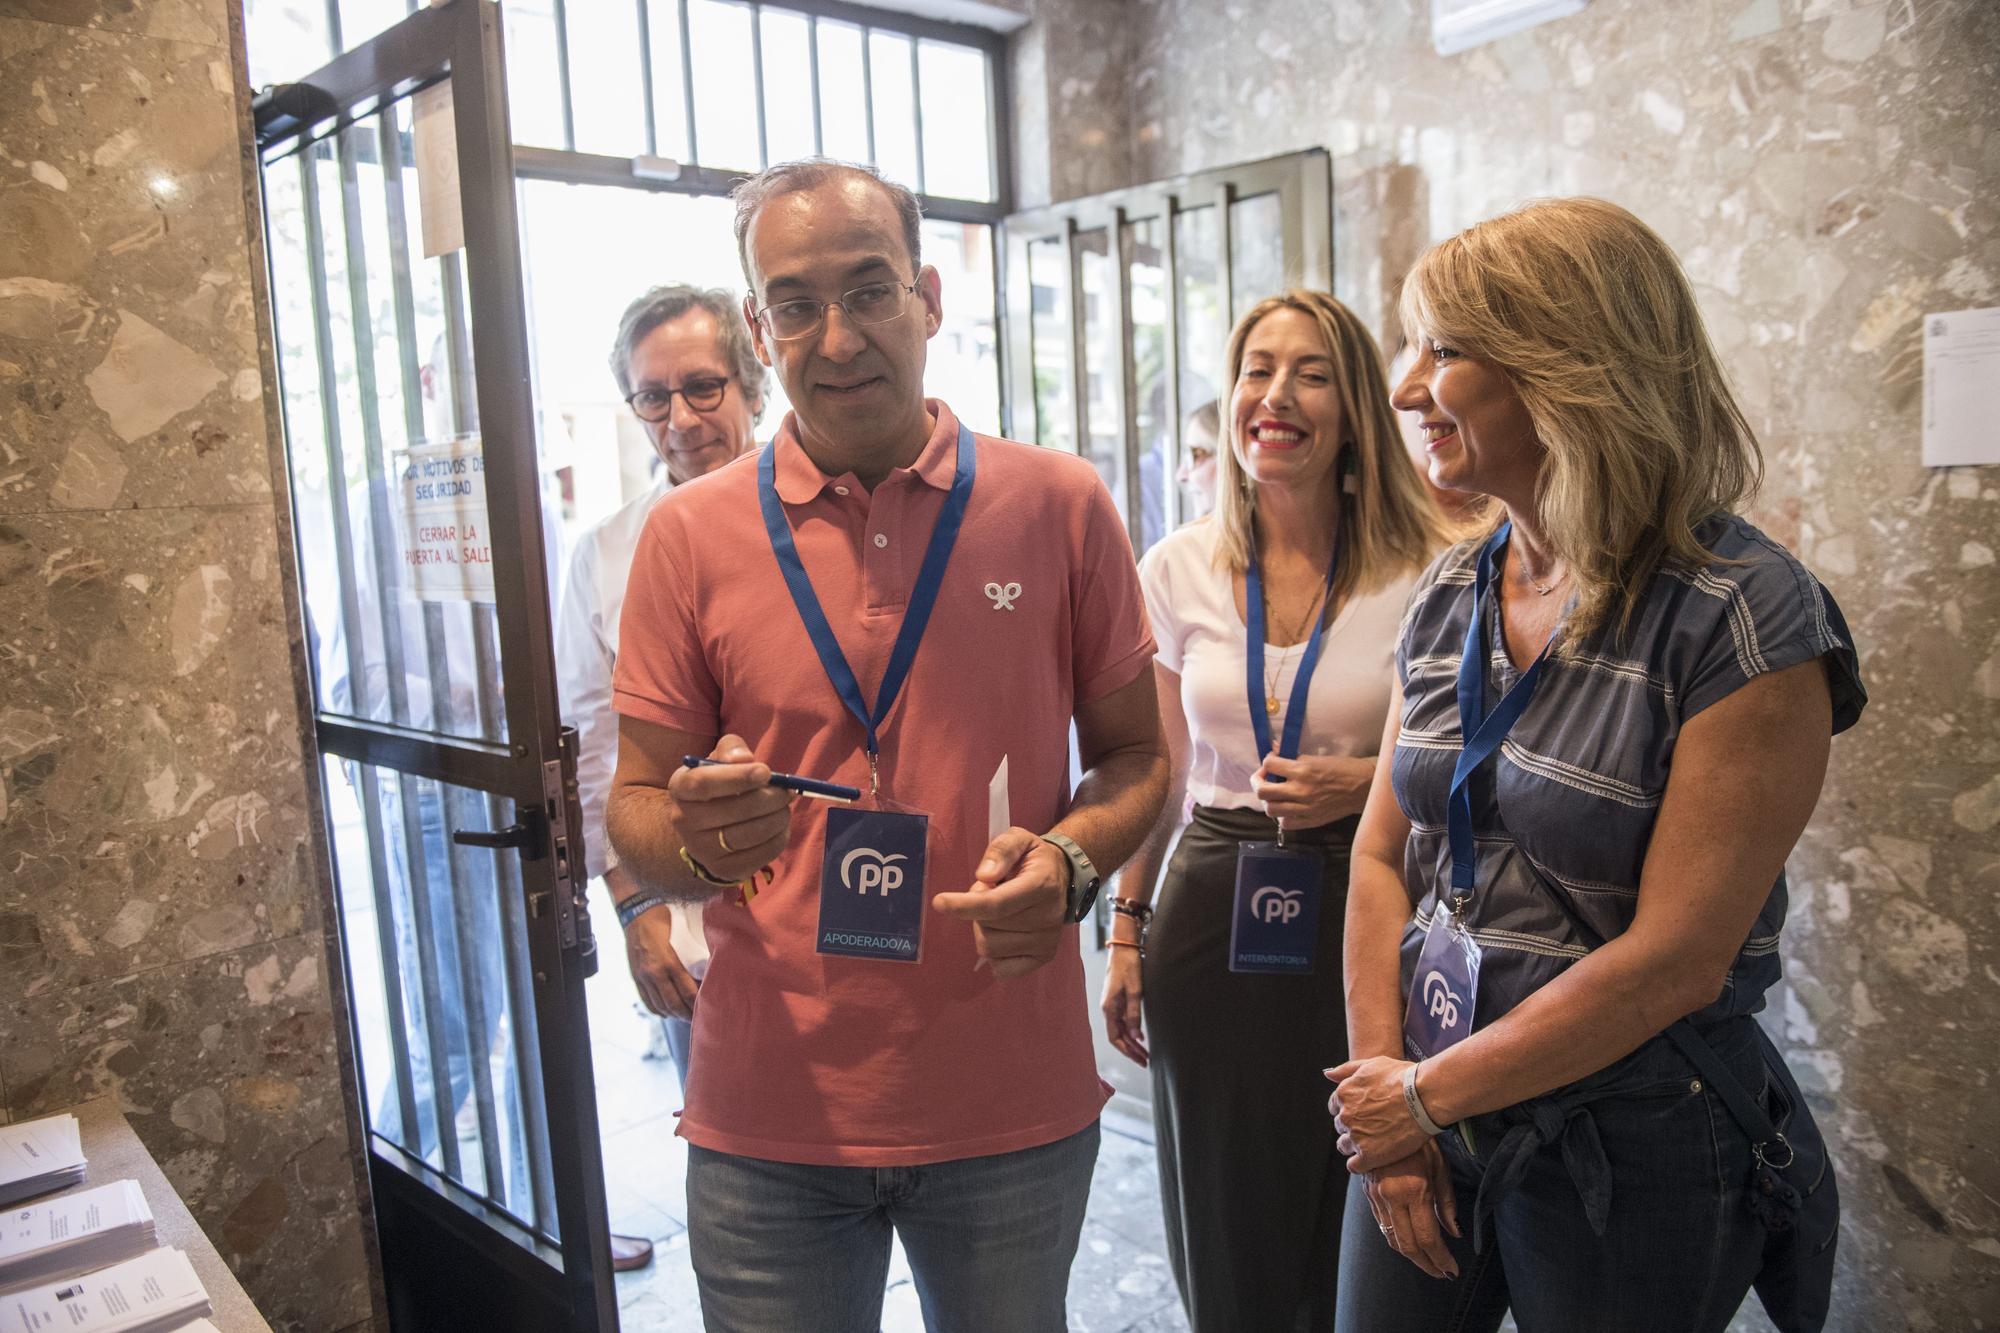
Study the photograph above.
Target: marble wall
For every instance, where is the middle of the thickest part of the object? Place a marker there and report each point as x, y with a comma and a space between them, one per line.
1828, 170
160, 892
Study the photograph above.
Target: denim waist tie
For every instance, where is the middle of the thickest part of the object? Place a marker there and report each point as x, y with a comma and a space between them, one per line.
1564, 1117
1564, 1120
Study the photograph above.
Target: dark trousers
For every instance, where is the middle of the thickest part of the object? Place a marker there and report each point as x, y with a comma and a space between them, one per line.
1642, 1148
1250, 1180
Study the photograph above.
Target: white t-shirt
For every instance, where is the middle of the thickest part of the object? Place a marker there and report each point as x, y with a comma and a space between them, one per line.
1201, 637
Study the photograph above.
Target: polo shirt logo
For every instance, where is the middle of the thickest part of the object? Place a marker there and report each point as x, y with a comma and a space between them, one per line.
1003, 595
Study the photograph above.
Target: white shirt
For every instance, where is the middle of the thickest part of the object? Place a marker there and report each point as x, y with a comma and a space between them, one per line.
1202, 638
593, 597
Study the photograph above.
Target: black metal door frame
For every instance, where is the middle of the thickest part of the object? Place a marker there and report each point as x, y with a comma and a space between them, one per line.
449, 1260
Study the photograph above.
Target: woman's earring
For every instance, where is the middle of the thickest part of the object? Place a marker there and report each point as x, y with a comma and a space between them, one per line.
1350, 478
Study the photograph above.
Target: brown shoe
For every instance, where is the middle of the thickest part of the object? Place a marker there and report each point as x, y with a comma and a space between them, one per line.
630, 1252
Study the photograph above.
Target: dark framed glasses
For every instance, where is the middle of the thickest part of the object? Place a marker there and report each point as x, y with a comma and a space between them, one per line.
872, 303
703, 395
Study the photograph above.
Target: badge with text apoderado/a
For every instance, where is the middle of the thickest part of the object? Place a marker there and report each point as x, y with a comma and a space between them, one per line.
871, 885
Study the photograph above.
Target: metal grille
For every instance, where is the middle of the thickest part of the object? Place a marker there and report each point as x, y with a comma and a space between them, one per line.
1118, 305
375, 356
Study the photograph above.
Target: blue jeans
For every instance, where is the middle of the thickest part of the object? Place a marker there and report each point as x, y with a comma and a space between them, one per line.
1615, 1203
778, 1245
679, 1033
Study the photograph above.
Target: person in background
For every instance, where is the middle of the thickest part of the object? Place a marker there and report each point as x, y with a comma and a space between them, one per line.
893, 1041
1612, 720
685, 366
1196, 475
1320, 530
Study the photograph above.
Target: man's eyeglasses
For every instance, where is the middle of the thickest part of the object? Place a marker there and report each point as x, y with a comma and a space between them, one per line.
874, 303
703, 395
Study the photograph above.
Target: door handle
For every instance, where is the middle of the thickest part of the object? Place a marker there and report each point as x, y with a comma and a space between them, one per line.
513, 836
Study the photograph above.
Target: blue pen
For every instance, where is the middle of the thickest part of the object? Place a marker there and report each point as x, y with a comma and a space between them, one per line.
813, 787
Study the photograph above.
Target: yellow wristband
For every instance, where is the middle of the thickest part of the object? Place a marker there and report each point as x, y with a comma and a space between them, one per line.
704, 874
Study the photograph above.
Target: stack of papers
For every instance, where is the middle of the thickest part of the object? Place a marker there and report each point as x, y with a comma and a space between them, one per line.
155, 1293
39, 1156
74, 1234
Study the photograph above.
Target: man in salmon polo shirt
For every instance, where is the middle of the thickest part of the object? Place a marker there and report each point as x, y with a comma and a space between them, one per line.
893, 1035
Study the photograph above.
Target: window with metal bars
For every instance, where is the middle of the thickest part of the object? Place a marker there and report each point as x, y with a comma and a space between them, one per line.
664, 82
1118, 307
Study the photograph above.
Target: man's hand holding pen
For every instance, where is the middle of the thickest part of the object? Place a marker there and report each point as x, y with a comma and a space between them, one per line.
729, 817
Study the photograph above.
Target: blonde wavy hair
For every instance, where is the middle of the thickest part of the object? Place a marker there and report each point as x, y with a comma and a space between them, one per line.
1389, 525
1587, 312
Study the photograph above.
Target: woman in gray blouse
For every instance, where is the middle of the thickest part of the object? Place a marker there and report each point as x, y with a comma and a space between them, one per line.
1612, 722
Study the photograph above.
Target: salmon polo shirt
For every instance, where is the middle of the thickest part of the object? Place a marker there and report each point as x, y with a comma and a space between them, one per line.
803, 1057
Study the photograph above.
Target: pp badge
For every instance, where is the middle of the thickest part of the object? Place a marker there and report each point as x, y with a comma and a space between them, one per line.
1275, 925
1444, 988
871, 885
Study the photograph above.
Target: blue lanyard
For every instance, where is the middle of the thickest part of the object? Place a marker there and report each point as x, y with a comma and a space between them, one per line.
1480, 737
915, 617
1253, 680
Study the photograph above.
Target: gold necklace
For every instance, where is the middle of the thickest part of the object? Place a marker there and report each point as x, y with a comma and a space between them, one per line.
1271, 678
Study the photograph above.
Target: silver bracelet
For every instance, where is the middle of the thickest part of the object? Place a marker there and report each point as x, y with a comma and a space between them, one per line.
1416, 1104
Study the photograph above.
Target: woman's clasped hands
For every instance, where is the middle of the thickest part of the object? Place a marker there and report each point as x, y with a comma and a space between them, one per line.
1408, 1182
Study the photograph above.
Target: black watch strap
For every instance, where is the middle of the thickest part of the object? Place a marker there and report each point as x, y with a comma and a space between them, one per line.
1084, 881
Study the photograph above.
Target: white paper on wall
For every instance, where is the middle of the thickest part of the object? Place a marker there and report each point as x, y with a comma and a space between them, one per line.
1962, 388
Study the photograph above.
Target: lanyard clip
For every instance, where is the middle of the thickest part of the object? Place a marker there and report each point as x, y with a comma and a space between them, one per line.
874, 778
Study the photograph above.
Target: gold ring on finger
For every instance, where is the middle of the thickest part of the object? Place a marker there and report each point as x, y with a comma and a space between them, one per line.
723, 838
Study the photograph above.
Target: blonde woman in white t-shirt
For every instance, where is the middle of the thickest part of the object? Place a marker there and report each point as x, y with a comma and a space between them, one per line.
1239, 985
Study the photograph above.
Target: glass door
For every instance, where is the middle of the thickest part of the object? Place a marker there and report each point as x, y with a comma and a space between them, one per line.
389, 207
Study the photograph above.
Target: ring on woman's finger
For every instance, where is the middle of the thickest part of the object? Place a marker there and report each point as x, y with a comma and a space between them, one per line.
723, 838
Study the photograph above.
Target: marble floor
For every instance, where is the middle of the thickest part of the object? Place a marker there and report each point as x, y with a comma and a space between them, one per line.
1121, 1283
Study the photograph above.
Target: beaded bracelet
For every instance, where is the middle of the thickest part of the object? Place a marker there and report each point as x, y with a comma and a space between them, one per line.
1141, 913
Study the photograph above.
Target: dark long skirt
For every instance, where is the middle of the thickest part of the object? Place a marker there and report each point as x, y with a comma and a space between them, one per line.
1250, 1180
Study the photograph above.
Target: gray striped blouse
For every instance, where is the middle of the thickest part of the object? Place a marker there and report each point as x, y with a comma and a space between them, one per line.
1562, 816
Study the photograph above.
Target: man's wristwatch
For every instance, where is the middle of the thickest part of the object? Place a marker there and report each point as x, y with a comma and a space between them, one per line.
1084, 880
